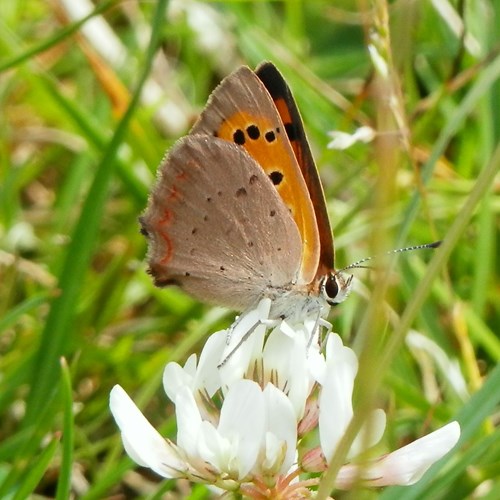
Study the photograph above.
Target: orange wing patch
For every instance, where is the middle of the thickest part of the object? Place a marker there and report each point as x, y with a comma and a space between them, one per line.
285, 104
266, 145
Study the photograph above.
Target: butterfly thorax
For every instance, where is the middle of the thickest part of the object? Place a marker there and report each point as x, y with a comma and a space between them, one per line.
294, 306
329, 289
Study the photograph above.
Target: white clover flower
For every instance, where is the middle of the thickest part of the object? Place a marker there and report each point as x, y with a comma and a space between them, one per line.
404, 466
240, 425
336, 374
343, 140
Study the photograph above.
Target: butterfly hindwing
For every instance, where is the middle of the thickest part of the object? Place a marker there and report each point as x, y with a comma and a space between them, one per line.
217, 227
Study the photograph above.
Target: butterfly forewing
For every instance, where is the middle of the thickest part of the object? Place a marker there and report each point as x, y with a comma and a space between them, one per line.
241, 111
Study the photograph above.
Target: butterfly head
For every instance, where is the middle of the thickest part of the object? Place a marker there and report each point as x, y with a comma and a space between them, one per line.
335, 287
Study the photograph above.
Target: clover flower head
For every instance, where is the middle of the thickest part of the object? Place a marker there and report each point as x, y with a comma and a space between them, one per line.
246, 425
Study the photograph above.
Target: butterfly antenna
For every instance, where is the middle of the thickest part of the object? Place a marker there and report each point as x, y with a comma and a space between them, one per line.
357, 264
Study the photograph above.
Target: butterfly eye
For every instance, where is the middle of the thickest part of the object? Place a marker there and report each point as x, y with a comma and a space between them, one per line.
330, 288
335, 287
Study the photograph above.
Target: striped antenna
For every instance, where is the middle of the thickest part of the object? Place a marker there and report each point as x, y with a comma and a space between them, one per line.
357, 264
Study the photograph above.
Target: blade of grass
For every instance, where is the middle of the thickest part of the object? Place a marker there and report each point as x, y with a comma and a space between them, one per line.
64, 482
484, 82
90, 128
25, 307
36, 470
51, 41
480, 407
79, 253
437, 263
442, 254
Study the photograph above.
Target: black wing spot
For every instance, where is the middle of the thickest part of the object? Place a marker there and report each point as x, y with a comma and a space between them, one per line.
270, 136
239, 137
253, 132
222, 268
219, 193
241, 192
194, 230
205, 218
250, 244
187, 274
276, 177
272, 213
209, 199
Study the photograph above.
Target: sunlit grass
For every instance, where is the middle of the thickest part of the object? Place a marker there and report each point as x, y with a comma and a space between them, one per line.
79, 150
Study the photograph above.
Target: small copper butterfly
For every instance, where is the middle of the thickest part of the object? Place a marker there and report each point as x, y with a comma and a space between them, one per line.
238, 211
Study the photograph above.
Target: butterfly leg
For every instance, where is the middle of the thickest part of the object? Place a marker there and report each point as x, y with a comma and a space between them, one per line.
268, 323
315, 332
329, 327
240, 342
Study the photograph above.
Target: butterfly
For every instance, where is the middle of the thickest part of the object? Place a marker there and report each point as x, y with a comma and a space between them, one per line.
238, 211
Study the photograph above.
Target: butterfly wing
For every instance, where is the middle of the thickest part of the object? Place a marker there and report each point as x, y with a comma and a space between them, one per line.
241, 111
217, 227
285, 103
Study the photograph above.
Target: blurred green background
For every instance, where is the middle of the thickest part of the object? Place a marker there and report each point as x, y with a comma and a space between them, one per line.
79, 149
